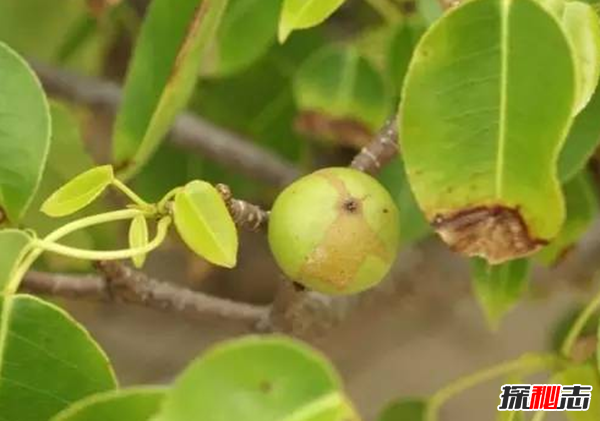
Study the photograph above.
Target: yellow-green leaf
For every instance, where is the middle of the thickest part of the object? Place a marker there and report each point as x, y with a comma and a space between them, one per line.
582, 25
79, 192
485, 110
13, 246
301, 14
138, 237
205, 225
585, 374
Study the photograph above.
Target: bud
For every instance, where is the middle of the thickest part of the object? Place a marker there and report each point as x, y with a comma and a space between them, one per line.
335, 231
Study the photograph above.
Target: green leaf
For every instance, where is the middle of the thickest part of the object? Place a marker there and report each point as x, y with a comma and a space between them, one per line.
402, 44
24, 135
582, 141
138, 237
302, 14
205, 225
42, 29
483, 121
13, 247
247, 30
405, 409
586, 374
583, 28
582, 210
413, 225
170, 49
256, 379
79, 192
338, 83
47, 360
499, 287
137, 404
430, 9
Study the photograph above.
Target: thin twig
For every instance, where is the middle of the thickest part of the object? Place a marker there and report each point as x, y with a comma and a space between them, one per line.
380, 151
123, 284
245, 214
189, 131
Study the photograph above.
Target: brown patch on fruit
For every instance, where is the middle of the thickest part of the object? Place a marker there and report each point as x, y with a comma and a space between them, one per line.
496, 233
346, 243
342, 131
3, 217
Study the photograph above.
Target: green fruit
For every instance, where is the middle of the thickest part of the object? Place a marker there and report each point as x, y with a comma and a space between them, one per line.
335, 231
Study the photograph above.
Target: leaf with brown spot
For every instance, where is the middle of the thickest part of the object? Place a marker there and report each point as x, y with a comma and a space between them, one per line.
483, 123
169, 53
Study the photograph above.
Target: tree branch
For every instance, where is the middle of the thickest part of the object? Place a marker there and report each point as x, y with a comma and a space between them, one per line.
189, 131
123, 284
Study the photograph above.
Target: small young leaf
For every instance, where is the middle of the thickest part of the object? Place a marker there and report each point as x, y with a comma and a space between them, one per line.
339, 86
138, 237
24, 135
79, 192
586, 374
582, 210
259, 379
582, 25
247, 30
302, 14
499, 287
484, 175
582, 141
138, 404
13, 246
205, 225
47, 360
405, 409
169, 52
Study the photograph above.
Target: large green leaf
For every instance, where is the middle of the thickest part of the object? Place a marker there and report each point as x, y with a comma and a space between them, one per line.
582, 210
486, 108
169, 53
13, 246
499, 287
205, 225
247, 30
584, 375
301, 14
79, 192
582, 141
258, 379
338, 84
47, 360
582, 25
138, 404
406, 409
24, 134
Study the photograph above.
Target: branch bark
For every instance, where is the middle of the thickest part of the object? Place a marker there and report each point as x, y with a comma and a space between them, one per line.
123, 284
189, 131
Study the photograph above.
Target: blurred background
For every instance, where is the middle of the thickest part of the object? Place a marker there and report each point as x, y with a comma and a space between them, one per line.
420, 329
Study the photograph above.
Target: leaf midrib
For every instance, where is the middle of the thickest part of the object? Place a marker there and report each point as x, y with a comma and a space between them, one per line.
504, 45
